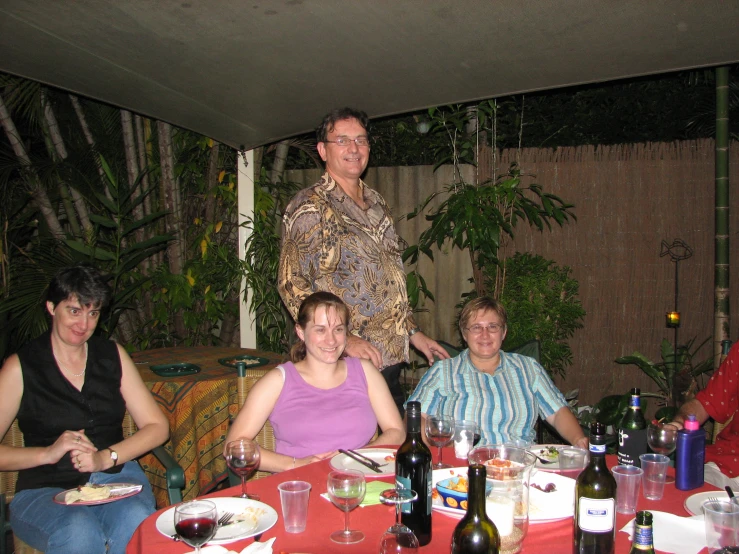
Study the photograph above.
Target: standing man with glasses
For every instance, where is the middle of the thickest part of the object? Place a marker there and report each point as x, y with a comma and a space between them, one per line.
338, 236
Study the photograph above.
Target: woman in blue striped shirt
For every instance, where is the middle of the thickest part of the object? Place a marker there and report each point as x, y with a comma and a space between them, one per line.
502, 392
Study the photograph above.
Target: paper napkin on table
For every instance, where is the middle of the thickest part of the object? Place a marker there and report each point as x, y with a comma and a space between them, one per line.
254, 548
372, 493
671, 533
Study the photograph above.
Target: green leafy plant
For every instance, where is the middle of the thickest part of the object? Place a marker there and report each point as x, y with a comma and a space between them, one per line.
677, 375
542, 303
476, 218
262, 258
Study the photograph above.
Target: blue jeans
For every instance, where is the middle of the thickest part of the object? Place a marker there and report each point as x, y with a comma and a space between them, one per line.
59, 529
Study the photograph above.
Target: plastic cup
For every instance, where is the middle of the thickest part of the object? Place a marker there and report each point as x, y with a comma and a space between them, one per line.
628, 479
464, 437
655, 472
294, 498
572, 460
722, 524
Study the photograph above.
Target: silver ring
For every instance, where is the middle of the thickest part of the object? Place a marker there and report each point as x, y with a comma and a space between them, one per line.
77, 439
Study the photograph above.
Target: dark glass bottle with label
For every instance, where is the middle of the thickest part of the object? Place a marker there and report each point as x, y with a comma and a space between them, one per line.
595, 504
413, 471
643, 542
476, 533
632, 433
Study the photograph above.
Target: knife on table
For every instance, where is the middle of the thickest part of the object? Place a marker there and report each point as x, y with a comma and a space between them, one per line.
371, 464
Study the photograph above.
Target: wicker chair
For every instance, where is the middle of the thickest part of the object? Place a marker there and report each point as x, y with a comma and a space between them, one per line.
174, 474
246, 378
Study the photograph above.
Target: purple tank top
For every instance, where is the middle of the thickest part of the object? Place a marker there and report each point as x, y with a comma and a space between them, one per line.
307, 420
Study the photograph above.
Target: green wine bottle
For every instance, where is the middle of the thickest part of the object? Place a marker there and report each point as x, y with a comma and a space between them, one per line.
413, 471
632, 433
643, 542
475, 533
595, 504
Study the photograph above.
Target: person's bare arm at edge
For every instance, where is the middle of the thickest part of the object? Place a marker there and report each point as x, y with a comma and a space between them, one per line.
566, 424
428, 347
383, 405
692, 406
259, 404
357, 347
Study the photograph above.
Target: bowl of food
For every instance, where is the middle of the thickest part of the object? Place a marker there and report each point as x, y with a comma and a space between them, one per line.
453, 491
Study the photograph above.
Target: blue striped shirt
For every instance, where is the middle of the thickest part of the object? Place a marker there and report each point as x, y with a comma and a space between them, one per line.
505, 404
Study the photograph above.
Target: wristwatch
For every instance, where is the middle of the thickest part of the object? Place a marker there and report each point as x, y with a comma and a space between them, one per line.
113, 456
413, 331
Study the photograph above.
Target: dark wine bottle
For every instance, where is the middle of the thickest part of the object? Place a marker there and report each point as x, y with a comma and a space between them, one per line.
632, 433
643, 542
475, 533
413, 471
595, 504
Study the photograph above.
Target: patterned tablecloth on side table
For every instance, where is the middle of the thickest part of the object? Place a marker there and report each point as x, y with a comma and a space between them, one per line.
199, 408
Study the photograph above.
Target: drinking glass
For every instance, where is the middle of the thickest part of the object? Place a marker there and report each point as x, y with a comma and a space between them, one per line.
195, 522
346, 490
398, 539
243, 456
440, 432
662, 439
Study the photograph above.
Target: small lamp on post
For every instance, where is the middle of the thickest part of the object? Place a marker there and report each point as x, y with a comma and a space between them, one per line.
673, 320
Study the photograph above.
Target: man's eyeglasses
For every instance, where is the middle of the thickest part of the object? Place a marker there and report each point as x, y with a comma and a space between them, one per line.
493, 329
346, 141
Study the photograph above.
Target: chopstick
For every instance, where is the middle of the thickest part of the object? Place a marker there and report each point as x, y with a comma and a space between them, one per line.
362, 460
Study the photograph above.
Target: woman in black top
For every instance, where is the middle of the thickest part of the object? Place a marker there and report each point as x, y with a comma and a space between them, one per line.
70, 391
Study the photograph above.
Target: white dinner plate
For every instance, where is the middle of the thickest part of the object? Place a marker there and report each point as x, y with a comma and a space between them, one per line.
259, 517
694, 504
538, 448
543, 507
379, 455
118, 491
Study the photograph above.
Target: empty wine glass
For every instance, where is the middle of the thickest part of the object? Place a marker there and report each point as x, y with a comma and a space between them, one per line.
398, 539
440, 432
195, 522
346, 490
662, 439
243, 457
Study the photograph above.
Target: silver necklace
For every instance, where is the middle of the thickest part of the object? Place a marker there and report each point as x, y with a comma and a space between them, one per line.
67, 369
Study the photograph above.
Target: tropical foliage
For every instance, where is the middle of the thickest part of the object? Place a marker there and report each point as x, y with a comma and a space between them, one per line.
151, 205
542, 303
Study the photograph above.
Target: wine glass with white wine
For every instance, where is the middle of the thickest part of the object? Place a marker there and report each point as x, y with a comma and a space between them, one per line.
346, 490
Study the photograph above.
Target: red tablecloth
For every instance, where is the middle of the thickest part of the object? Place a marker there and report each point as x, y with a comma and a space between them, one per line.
324, 518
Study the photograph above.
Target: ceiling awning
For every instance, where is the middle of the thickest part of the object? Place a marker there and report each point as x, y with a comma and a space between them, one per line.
248, 73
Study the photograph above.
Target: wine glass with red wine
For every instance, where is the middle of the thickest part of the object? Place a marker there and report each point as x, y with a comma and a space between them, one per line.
440, 432
196, 522
243, 457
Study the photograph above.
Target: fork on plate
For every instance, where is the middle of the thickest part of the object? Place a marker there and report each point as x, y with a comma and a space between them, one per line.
225, 518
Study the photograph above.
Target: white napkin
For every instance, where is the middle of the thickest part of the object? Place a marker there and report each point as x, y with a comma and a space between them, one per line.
254, 548
712, 474
680, 535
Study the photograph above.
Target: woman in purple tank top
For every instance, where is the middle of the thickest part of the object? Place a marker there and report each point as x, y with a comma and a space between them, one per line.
319, 401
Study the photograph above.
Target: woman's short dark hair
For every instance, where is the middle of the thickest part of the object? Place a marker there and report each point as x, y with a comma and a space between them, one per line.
481, 304
307, 312
340, 114
82, 281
